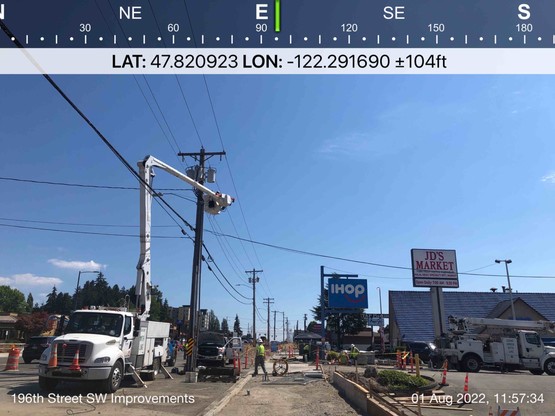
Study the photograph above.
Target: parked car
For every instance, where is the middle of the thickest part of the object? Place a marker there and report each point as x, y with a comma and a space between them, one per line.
34, 348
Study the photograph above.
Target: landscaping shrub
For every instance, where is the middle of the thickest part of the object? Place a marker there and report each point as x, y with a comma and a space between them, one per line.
397, 380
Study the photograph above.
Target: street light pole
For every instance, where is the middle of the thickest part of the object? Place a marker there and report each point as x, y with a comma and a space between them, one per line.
509, 282
77, 287
381, 320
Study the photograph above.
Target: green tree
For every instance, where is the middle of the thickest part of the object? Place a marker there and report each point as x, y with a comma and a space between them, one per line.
237, 326
213, 321
12, 300
341, 323
50, 305
30, 303
225, 327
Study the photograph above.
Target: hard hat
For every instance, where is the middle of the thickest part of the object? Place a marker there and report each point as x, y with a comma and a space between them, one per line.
352, 345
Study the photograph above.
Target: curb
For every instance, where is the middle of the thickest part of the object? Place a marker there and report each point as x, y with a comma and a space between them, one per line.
216, 407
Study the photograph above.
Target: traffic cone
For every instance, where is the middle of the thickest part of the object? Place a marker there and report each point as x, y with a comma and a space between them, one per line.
466, 383
13, 359
444, 377
53, 361
75, 363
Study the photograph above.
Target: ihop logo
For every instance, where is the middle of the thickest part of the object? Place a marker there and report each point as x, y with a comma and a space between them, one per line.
348, 293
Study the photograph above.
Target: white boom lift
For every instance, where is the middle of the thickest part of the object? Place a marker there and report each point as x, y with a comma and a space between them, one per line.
502, 343
105, 344
214, 203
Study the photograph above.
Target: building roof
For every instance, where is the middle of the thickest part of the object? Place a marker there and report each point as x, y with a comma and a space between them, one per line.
306, 336
413, 309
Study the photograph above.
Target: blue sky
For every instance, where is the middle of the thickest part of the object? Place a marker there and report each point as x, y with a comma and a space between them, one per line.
358, 167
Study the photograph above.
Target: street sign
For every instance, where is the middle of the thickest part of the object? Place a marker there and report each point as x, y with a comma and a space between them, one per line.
375, 321
434, 268
347, 293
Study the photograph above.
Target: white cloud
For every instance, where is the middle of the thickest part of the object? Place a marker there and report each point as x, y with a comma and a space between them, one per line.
77, 265
29, 279
549, 178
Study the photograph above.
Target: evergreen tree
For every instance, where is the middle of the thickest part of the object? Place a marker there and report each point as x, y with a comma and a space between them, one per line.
213, 322
237, 326
30, 303
341, 323
225, 327
50, 305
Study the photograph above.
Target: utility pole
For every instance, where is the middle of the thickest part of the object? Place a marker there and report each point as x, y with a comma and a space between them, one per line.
305, 322
287, 330
201, 158
268, 301
283, 325
254, 280
275, 325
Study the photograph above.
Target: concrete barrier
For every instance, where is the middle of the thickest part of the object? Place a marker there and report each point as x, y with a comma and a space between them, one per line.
360, 398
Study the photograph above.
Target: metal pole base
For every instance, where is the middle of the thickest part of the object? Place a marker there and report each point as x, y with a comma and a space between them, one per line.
191, 377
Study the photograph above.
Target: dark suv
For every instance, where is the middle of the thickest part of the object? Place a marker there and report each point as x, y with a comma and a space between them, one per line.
424, 349
35, 347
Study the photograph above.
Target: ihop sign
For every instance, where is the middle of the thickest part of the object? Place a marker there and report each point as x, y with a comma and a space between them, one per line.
347, 293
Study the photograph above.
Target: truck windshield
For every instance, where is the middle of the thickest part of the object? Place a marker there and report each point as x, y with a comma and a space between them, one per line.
95, 323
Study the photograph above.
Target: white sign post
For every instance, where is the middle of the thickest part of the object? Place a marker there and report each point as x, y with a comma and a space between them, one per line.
434, 268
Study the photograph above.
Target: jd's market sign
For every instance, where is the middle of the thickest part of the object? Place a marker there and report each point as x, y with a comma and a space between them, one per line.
434, 268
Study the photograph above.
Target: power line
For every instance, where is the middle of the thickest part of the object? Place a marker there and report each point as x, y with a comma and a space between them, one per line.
271, 246
78, 185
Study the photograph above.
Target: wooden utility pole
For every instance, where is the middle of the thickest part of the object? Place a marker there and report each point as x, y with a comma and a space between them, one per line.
254, 280
268, 301
201, 158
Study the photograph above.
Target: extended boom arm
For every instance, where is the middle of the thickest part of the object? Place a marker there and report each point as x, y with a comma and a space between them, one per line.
214, 202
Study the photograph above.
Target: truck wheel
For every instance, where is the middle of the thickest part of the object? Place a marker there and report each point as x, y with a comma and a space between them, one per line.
549, 367
471, 363
47, 384
151, 375
537, 371
112, 383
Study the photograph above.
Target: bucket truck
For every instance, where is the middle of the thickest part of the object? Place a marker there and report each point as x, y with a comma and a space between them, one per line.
502, 343
104, 344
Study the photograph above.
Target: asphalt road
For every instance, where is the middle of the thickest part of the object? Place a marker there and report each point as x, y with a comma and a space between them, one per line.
20, 395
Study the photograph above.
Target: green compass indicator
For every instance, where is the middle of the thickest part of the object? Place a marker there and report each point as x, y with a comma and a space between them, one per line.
277, 15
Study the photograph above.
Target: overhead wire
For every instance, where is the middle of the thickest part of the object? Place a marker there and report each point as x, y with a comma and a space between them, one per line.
218, 130
137, 81
177, 78
159, 199
78, 185
276, 247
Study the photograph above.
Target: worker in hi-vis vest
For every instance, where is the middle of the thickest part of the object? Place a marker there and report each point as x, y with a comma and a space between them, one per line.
259, 358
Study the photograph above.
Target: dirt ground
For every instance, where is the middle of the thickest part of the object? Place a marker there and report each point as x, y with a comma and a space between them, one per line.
287, 396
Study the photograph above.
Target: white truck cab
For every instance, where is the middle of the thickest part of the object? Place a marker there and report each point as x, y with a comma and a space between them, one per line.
104, 345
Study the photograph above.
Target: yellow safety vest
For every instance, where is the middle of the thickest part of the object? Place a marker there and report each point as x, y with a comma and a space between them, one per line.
260, 350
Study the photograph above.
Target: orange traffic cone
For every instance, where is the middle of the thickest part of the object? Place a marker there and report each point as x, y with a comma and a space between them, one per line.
466, 383
53, 361
13, 359
444, 378
75, 363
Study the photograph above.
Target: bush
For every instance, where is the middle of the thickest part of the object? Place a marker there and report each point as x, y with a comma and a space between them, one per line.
397, 380
332, 355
